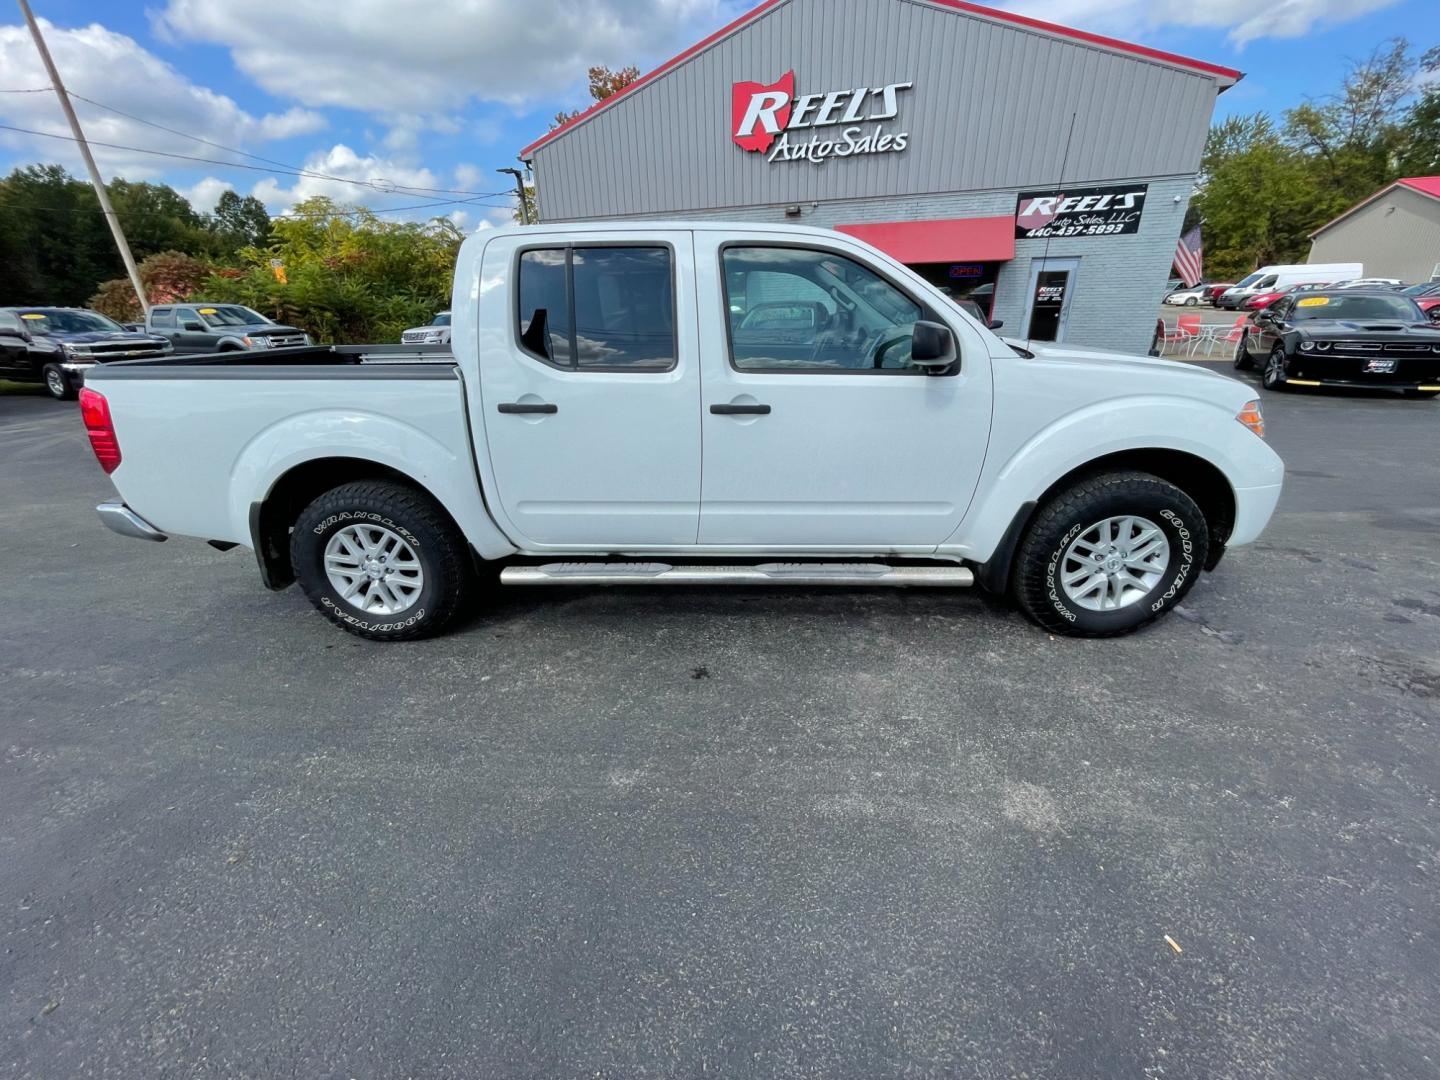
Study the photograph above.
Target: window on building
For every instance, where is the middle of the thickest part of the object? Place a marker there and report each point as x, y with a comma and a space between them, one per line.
162, 317
797, 309
599, 307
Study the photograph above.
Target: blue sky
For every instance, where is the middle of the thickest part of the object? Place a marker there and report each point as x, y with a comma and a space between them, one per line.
398, 103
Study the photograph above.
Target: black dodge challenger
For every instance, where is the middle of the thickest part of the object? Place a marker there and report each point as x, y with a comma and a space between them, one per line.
1344, 338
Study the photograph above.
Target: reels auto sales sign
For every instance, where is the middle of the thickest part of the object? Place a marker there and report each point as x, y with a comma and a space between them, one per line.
771, 120
1091, 211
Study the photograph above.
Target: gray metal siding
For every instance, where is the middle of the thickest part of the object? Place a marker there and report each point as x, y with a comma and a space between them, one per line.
990, 109
1397, 235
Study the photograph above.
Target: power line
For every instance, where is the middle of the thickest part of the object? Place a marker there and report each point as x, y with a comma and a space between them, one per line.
253, 168
277, 217
35, 90
271, 161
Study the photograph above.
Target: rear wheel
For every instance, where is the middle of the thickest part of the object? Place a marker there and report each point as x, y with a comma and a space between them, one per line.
58, 383
382, 560
1110, 555
1274, 377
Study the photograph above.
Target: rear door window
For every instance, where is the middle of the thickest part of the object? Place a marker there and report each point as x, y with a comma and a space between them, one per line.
598, 308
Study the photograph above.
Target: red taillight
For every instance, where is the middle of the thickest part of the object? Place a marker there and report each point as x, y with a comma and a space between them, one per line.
95, 411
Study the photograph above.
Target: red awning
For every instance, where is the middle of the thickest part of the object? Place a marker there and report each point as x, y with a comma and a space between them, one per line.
985, 239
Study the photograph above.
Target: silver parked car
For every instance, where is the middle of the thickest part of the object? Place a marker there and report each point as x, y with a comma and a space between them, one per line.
437, 333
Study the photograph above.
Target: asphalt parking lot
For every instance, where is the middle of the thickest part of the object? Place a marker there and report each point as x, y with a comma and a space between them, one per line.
732, 833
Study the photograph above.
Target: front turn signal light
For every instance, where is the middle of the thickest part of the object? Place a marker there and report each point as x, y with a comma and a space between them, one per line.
1250, 416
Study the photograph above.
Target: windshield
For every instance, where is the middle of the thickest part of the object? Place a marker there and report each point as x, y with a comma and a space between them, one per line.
67, 322
1425, 288
1359, 306
443, 319
231, 315
1248, 280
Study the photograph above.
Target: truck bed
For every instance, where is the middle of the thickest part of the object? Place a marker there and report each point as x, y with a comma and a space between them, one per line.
202, 438
270, 360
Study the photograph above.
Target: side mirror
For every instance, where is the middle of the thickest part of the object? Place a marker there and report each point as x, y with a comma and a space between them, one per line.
931, 346
192, 326
995, 324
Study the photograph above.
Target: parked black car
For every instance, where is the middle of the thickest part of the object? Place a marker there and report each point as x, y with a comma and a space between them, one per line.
1344, 338
54, 346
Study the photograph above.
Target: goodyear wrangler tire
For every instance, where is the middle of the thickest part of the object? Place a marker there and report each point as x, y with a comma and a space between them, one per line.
381, 560
1110, 555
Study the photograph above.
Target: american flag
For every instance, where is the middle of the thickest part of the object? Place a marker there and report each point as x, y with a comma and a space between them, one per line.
1190, 257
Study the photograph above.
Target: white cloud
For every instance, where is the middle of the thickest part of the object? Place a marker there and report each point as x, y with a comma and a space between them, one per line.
206, 193
385, 58
1245, 20
110, 67
378, 178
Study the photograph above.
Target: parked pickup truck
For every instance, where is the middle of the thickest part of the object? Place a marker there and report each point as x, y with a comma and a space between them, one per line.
56, 346
204, 327
692, 404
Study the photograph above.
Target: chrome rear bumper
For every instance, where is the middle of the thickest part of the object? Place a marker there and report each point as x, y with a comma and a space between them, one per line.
121, 519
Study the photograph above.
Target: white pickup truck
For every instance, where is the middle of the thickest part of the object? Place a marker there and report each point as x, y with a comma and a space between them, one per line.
692, 403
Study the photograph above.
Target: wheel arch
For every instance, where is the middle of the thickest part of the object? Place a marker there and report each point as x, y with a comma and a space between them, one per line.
272, 516
1200, 479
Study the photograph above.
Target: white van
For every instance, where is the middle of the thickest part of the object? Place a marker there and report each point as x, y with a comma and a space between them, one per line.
1274, 278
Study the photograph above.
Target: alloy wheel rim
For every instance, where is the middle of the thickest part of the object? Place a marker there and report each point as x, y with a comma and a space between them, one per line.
374, 569
53, 380
1115, 563
1274, 371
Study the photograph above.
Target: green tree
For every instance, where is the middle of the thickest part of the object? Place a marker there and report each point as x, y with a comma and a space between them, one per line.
241, 221
1420, 130
1352, 138
1256, 198
350, 276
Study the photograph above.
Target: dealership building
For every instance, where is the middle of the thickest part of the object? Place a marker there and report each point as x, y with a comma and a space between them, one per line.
1041, 171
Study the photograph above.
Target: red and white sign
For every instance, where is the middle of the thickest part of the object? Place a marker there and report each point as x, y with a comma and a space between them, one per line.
770, 119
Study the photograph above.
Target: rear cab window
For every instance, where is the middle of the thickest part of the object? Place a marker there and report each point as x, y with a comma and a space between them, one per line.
162, 317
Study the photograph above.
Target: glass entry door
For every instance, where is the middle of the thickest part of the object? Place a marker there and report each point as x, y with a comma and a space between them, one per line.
1051, 283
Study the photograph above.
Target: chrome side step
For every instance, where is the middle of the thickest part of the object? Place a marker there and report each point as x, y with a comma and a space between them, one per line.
658, 573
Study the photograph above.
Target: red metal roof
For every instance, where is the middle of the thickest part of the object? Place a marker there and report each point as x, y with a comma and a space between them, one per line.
985, 239
959, 5
1425, 185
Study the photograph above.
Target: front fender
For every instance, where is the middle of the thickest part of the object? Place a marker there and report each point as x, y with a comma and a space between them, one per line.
1024, 472
448, 474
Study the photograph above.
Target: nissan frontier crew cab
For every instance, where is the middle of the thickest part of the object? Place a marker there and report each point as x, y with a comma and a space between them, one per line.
692, 403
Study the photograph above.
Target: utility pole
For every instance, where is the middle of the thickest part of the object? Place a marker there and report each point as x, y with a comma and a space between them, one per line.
519, 191
100, 192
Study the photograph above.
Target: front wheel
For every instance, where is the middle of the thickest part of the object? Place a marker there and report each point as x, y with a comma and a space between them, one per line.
1421, 393
1110, 555
58, 383
381, 560
1242, 355
1274, 377
1191, 301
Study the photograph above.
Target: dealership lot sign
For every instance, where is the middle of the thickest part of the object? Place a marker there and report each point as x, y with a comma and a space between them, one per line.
771, 120
1091, 211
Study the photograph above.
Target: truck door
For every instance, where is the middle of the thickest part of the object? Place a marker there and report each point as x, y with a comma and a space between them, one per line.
817, 432
590, 389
